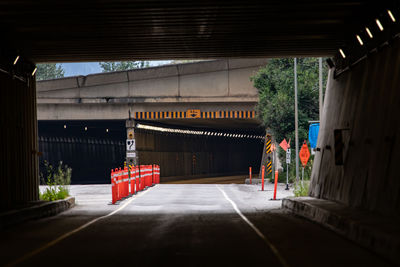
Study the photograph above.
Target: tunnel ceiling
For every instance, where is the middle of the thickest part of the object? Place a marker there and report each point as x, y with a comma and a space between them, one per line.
61, 31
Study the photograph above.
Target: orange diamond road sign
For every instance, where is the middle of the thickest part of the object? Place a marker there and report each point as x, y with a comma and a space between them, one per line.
304, 154
284, 145
193, 113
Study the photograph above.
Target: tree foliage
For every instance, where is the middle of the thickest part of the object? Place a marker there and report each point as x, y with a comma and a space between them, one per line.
275, 84
49, 71
123, 65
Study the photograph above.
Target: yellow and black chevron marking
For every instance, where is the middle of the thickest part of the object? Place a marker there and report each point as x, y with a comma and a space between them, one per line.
195, 114
269, 167
268, 146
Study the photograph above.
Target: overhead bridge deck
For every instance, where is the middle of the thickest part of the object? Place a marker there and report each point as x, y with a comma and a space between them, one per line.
213, 89
195, 114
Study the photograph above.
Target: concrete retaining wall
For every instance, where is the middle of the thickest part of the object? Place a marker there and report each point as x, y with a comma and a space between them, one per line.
365, 103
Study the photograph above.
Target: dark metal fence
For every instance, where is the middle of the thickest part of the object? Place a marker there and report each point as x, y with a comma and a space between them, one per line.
91, 159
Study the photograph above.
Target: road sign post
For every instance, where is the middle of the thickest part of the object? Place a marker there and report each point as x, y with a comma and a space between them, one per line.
266, 159
273, 149
268, 151
286, 146
131, 153
287, 168
304, 156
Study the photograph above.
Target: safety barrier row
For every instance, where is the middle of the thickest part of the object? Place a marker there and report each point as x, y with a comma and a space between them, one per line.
262, 180
129, 181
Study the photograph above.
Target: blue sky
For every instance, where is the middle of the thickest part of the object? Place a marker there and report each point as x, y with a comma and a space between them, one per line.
85, 68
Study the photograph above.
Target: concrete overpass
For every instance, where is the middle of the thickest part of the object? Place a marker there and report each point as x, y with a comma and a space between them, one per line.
215, 93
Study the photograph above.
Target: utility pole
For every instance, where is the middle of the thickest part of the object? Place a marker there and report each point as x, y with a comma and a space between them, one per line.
273, 161
296, 123
131, 153
321, 97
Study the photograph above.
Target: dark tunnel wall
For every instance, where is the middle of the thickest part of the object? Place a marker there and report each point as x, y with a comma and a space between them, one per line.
18, 135
365, 104
93, 153
186, 155
91, 159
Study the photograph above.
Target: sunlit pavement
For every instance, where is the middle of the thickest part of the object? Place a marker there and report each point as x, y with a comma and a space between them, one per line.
181, 225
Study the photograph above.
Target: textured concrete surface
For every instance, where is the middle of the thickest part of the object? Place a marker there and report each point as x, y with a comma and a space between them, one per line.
178, 225
363, 104
209, 85
376, 232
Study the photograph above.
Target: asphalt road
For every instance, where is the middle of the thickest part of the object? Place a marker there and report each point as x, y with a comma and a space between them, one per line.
179, 225
236, 179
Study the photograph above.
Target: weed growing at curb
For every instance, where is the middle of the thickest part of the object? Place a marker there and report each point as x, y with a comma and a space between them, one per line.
57, 181
301, 188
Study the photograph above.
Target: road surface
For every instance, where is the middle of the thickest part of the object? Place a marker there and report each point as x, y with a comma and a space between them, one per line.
236, 179
179, 225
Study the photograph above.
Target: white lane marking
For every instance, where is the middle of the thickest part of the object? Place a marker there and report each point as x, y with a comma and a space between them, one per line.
258, 232
64, 236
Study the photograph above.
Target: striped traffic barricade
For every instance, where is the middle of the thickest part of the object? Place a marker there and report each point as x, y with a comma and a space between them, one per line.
137, 179
113, 188
157, 174
132, 179
149, 174
153, 176
125, 182
118, 183
141, 177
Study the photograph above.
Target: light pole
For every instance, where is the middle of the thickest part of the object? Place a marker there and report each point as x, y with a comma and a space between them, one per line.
320, 90
296, 122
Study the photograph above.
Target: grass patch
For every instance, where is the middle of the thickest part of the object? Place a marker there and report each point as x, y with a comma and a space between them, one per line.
301, 188
57, 181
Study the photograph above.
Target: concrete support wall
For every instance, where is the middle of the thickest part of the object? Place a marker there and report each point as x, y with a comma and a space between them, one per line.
365, 103
18, 141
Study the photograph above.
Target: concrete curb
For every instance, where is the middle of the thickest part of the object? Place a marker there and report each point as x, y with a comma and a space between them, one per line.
41, 210
372, 231
255, 181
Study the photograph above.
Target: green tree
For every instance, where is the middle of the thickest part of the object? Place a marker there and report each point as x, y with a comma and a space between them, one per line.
275, 84
49, 71
123, 65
